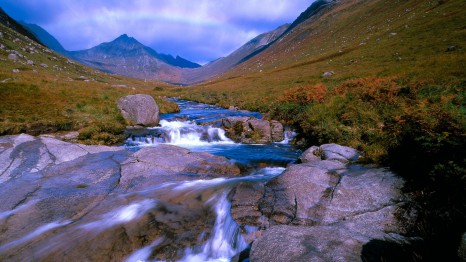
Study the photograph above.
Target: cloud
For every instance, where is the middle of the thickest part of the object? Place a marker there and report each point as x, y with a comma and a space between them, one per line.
200, 30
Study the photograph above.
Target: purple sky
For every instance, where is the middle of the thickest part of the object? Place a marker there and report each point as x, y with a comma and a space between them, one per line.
198, 30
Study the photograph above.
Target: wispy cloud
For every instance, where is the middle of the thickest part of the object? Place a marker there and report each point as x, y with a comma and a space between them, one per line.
199, 30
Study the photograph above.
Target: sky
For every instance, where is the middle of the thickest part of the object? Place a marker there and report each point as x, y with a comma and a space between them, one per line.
198, 30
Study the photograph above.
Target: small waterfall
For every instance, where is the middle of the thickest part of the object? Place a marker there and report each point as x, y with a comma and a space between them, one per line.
180, 133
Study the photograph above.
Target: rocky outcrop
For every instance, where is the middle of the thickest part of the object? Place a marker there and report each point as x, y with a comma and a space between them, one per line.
328, 209
250, 130
139, 110
72, 202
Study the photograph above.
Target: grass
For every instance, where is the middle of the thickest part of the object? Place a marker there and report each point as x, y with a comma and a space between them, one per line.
63, 96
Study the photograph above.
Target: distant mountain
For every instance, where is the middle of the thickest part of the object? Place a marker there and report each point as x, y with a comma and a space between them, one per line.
126, 56
224, 64
9, 22
45, 37
178, 61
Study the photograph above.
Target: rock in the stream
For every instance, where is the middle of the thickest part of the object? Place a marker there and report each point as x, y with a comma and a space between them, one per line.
71, 202
250, 130
139, 110
330, 209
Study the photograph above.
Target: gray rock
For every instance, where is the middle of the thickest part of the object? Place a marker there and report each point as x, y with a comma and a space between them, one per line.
30, 62
297, 243
71, 202
139, 110
311, 154
277, 131
250, 130
328, 74
340, 153
44, 65
13, 57
16, 71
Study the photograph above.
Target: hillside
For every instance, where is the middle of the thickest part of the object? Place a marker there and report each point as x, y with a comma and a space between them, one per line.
44, 92
47, 39
386, 77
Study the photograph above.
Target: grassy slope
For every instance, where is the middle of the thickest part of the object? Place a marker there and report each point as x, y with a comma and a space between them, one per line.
63, 96
400, 98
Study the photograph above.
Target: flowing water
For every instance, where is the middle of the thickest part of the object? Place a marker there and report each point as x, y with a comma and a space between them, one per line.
196, 210
194, 128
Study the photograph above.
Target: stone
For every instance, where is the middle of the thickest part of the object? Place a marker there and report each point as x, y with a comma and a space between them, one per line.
311, 154
16, 71
139, 109
250, 130
328, 74
277, 130
13, 57
44, 65
340, 153
70, 202
320, 243
451, 48
392, 34
30, 62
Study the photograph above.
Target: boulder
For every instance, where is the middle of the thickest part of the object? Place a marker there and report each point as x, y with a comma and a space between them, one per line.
13, 57
250, 130
324, 209
139, 110
336, 152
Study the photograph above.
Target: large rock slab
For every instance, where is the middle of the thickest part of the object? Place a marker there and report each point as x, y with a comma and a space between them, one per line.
330, 209
139, 110
69, 202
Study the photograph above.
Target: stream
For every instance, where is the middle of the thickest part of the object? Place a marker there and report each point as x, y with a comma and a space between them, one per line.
190, 128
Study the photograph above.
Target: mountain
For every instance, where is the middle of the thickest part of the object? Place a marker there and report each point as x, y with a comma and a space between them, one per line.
126, 56
240, 55
9, 22
45, 37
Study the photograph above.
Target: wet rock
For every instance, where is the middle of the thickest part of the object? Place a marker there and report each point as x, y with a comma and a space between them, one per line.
72, 202
139, 110
250, 130
13, 57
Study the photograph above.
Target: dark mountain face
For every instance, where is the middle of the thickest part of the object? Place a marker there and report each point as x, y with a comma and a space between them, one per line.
9, 22
46, 38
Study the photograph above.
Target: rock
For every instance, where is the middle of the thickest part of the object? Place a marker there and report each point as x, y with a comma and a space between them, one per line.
340, 153
139, 110
462, 248
334, 152
328, 74
71, 202
16, 71
233, 108
311, 154
278, 134
250, 130
392, 34
44, 65
451, 48
320, 243
13, 57
331, 210
30, 62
